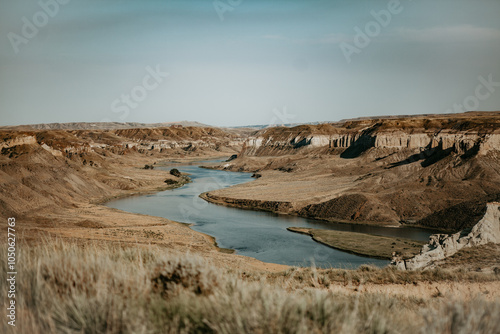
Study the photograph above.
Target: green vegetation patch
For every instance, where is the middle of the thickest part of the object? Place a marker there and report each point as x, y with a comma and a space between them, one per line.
363, 244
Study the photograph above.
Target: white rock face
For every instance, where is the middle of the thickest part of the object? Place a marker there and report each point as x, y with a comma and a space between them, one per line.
255, 142
491, 142
442, 246
343, 141
51, 150
319, 141
21, 140
458, 142
402, 140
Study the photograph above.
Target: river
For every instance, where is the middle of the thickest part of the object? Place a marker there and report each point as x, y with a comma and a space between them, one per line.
257, 234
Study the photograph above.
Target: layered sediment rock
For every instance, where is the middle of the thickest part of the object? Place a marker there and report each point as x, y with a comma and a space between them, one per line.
18, 140
460, 143
66, 143
461, 133
442, 246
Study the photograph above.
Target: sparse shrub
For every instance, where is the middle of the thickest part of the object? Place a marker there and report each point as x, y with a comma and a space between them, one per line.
234, 156
367, 268
190, 274
170, 181
175, 172
153, 234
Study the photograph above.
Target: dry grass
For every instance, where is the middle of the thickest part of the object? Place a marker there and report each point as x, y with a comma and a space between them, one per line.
478, 258
299, 278
65, 288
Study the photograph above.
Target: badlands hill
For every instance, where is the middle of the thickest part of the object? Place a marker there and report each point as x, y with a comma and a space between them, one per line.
436, 171
42, 170
54, 181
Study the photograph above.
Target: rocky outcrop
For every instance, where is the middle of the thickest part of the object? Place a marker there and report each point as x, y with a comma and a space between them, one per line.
461, 143
272, 145
462, 134
49, 149
442, 246
163, 140
18, 140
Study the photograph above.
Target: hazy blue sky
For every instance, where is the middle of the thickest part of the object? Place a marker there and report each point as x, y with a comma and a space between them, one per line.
244, 62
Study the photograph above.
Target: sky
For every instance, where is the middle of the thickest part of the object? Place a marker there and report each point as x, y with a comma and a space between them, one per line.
242, 62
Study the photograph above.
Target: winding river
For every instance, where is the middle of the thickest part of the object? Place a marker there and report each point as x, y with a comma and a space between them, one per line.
257, 234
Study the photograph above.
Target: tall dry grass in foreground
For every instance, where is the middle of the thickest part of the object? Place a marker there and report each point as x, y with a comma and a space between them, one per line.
68, 288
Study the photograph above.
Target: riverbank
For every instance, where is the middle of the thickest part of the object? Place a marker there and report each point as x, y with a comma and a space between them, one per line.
380, 247
140, 229
287, 208
257, 205
249, 232
305, 191
98, 223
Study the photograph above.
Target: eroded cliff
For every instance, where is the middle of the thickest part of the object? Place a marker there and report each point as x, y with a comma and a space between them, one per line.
441, 246
391, 171
469, 134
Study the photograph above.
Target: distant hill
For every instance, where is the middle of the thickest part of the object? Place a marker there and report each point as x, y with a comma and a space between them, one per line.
288, 125
467, 114
100, 125
245, 128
